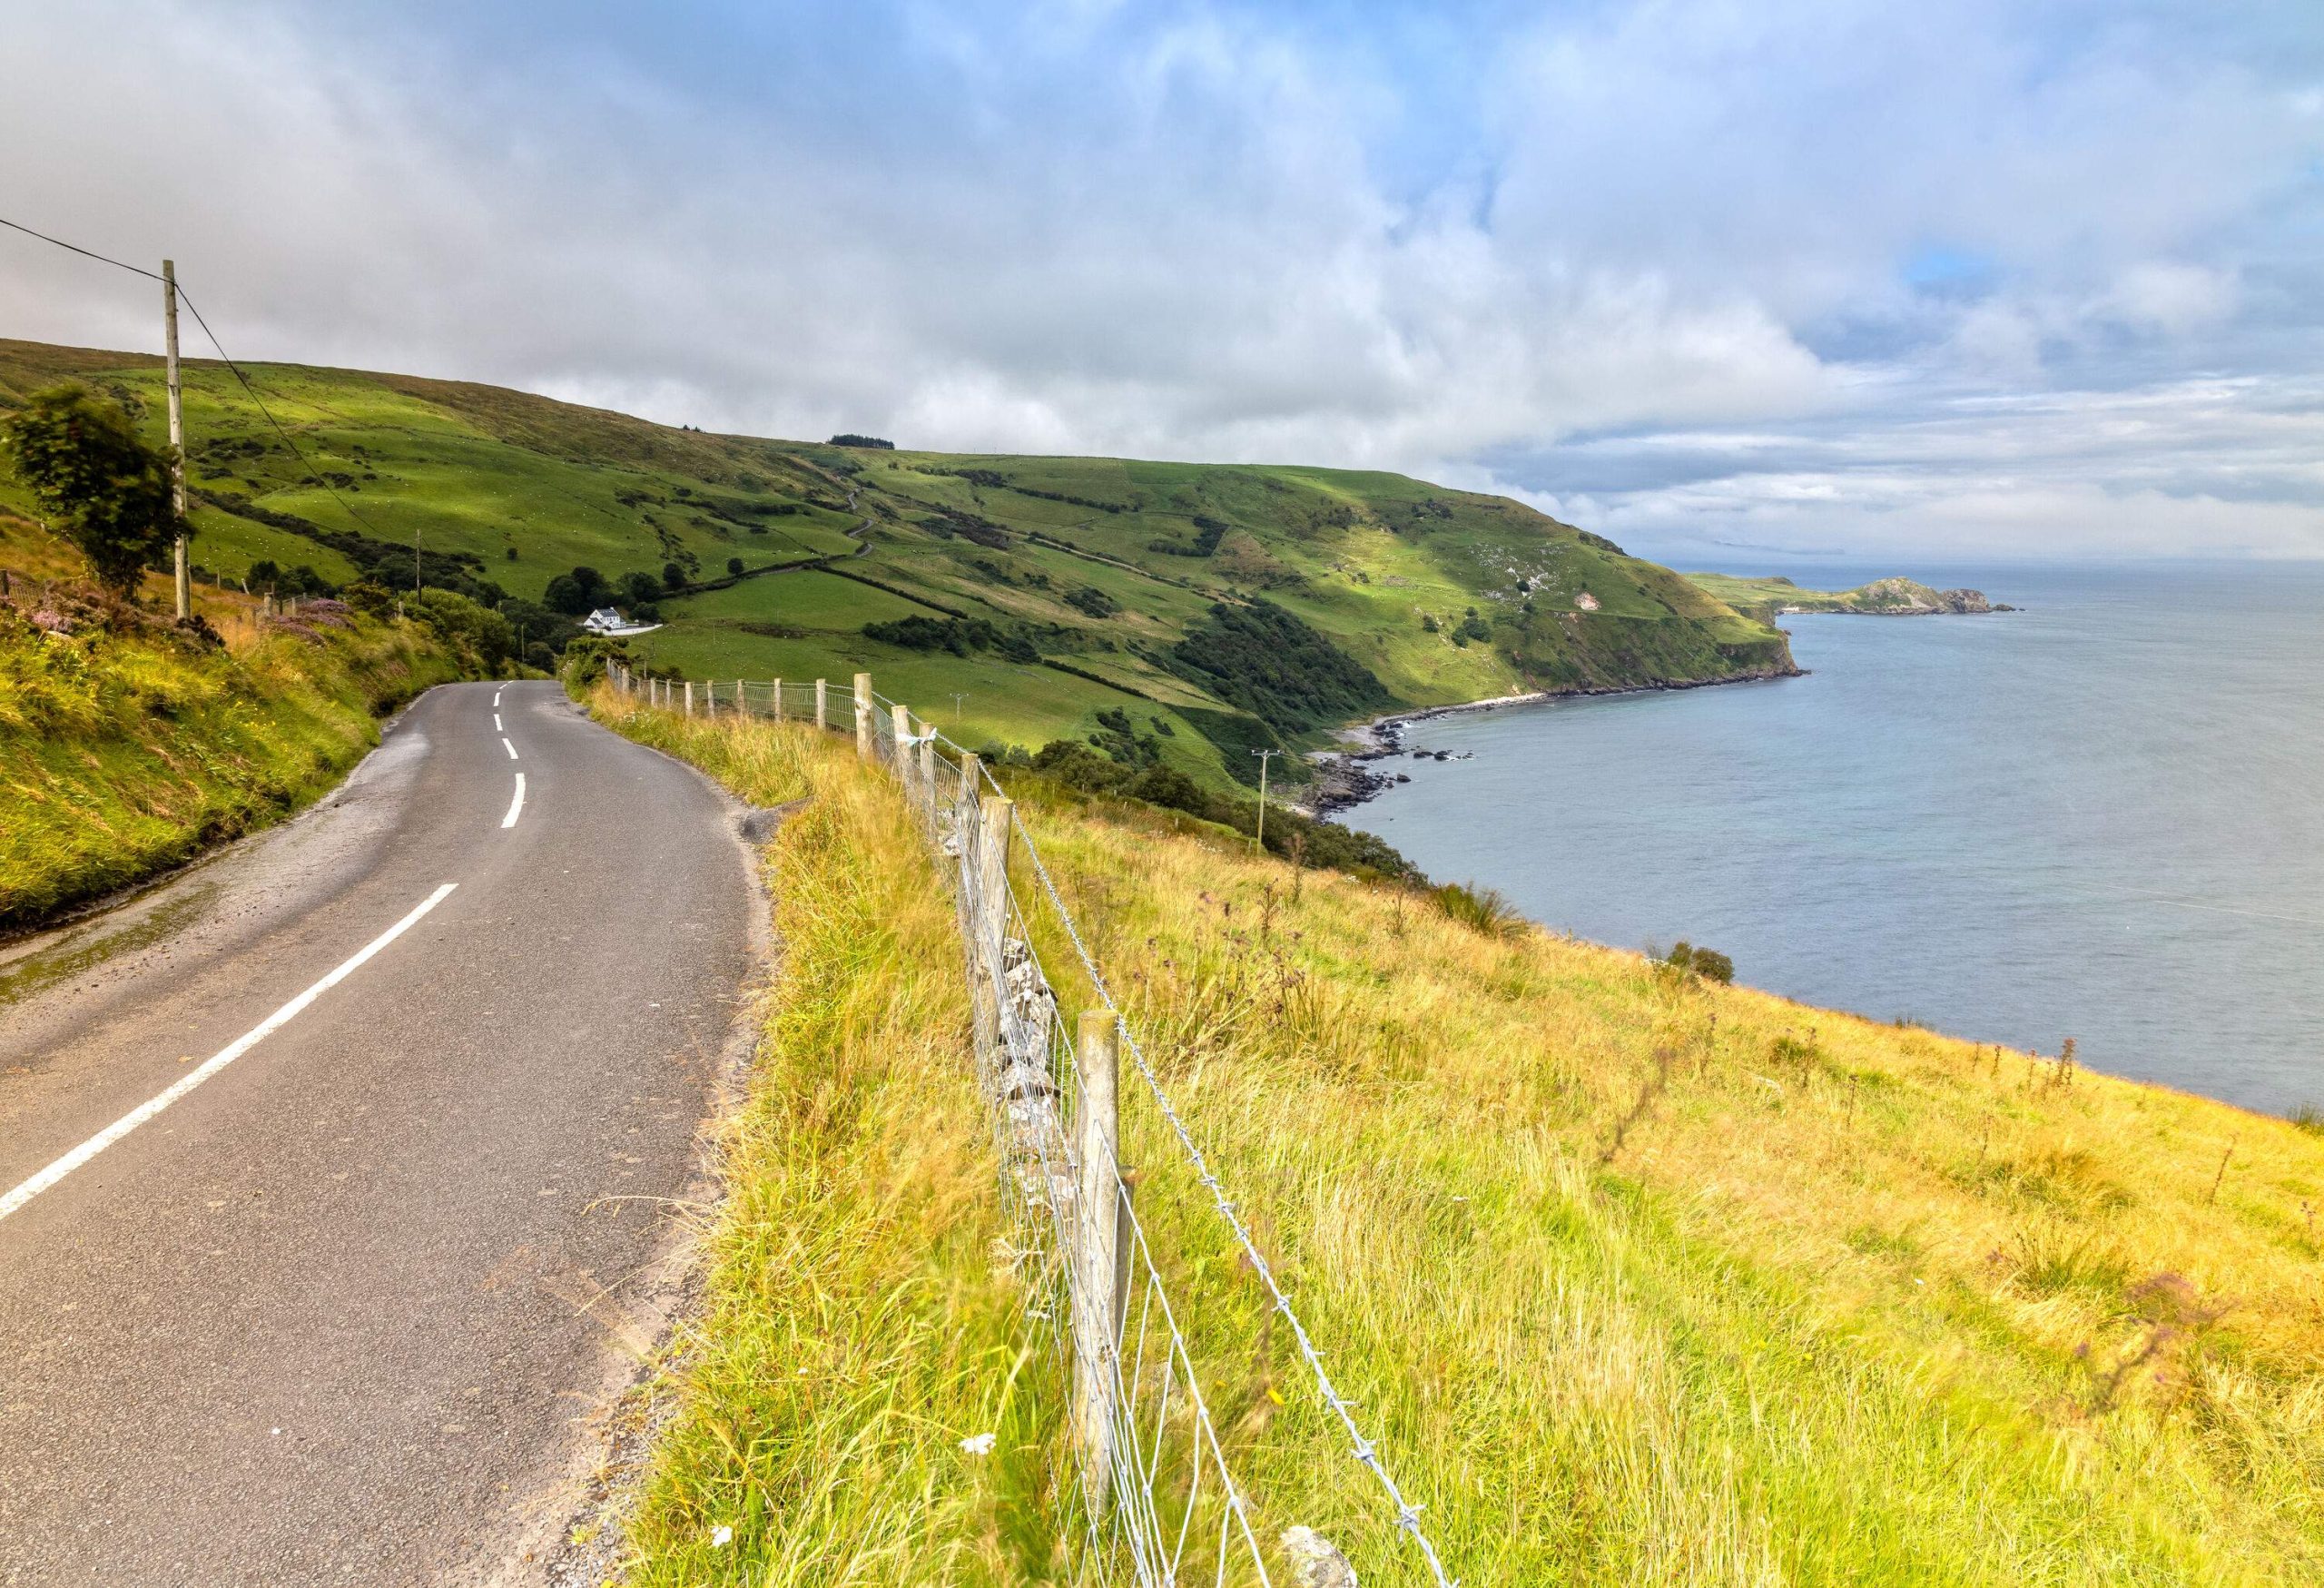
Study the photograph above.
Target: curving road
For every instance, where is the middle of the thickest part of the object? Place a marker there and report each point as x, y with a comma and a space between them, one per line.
337, 1177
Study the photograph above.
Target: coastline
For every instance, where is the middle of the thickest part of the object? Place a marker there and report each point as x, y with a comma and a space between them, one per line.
1343, 779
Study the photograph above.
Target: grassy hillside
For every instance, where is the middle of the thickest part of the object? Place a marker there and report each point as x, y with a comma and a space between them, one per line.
1636, 1278
1047, 590
126, 747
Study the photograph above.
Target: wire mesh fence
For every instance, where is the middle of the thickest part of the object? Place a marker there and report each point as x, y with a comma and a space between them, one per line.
1152, 1495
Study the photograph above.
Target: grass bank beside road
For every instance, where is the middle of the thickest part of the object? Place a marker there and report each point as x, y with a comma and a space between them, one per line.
1634, 1278
859, 1323
127, 748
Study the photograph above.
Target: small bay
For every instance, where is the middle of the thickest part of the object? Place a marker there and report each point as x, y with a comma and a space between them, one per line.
2100, 817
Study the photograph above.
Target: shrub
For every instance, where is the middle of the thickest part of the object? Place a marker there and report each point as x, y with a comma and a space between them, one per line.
585, 659
1269, 663
1709, 963
1484, 910
2308, 1117
482, 639
1093, 601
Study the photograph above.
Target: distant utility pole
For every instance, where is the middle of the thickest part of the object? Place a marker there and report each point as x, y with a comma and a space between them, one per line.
957, 699
418, 574
1260, 838
177, 434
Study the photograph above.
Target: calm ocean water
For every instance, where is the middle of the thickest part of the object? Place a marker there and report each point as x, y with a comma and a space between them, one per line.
2102, 817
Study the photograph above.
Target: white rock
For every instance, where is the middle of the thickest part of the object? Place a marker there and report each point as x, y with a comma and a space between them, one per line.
1315, 1561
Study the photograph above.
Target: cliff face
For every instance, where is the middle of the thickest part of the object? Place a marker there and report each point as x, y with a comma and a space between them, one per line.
1906, 596
1767, 598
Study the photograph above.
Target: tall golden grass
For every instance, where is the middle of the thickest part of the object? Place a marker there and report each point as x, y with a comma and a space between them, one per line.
1634, 1277
858, 1321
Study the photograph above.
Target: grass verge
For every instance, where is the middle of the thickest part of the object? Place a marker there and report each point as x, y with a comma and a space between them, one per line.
126, 749
860, 1322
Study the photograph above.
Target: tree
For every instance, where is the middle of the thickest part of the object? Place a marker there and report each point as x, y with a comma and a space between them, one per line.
482, 638
639, 587
101, 487
577, 593
735, 567
673, 575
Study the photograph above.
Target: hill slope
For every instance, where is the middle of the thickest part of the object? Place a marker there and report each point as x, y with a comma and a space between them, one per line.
127, 746
1061, 597
1636, 1279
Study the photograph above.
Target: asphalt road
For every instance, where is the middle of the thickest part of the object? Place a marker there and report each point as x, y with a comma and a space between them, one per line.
351, 1307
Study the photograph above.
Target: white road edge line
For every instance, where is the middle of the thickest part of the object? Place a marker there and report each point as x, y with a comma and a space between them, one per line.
510, 748
516, 807
281, 1017
496, 719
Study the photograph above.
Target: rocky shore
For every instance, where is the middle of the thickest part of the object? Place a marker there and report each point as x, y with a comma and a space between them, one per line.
1346, 778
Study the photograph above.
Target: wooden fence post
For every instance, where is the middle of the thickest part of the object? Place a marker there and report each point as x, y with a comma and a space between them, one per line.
778, 699
863, 715
823, 716
1097, 1255
999, 820
928, 772
742, 699
901, 719
689, 698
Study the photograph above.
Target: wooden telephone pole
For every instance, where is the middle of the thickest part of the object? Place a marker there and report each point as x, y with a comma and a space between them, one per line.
177, 434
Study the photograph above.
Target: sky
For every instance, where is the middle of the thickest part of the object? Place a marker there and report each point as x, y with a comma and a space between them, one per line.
1734, 282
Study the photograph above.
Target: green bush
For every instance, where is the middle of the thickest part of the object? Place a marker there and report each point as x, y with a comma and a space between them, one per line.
1709, 963
1480, 909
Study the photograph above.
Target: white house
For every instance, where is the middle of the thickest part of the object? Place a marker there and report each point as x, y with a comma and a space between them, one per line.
605, 620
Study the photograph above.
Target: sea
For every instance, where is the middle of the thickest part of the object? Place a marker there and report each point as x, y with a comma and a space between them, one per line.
2099, 817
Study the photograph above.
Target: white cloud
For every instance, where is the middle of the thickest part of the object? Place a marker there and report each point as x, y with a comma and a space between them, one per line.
1673, 236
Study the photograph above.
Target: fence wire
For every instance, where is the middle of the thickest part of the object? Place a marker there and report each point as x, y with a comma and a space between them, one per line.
1150, 1487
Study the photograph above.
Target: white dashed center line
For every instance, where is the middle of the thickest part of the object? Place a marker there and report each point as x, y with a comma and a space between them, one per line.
495, 722
510, 748
517, 805
121, 1127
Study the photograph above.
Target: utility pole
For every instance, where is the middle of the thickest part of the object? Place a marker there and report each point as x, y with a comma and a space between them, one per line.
177, 434
1265, 756
957, 699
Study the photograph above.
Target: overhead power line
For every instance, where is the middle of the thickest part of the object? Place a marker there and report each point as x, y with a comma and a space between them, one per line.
84, 252
313, 474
